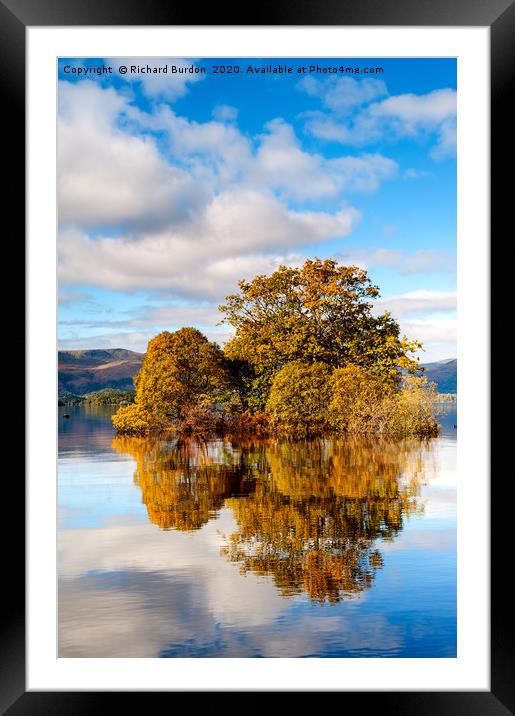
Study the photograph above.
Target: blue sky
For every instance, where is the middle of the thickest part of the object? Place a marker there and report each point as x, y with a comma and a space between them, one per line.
172, 187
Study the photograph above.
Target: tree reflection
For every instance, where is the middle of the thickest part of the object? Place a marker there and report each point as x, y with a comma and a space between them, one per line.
308, 513
184, 483
314, 523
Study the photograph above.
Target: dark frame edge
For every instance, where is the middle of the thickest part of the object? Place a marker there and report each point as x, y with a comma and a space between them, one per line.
500, 700
12, 64
502, 68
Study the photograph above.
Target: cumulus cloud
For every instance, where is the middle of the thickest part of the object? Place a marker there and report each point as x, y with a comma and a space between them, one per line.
169, 86
113, 172
446, 144
417, 110
229, 240
109, 177
217, 152
357, 116
342, 94
281, 163
412, 173
131, 219
214, 145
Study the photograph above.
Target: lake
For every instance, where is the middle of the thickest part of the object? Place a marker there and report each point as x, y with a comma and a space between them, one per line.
321, 548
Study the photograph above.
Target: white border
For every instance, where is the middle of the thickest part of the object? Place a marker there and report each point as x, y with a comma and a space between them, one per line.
470, 670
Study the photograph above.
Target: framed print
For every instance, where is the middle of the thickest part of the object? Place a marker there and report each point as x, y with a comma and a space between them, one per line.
256, 255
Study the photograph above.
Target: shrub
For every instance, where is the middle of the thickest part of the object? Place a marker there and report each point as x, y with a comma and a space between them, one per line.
135, 420
412, 410
247, 423
299, 399
203, 419
355, 400
361, 404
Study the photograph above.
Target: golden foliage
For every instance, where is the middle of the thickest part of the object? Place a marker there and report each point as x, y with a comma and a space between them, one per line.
308, 358
180, 370
299, 399
308, 400
317, 313
134, 419
362, 404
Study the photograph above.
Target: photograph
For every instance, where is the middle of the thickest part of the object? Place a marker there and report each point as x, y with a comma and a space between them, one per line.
257, 357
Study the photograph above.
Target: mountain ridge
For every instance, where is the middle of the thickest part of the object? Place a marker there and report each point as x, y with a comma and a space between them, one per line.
86, 370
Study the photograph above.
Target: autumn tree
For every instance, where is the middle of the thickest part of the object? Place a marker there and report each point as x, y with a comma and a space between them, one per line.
299, 399
320, 312
180, 370
360, 404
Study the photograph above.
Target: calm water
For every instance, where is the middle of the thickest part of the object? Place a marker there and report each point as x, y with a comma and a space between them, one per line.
326, 548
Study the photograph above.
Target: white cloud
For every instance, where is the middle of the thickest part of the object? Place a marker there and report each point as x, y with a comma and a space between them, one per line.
169, 86
427, 110
219, 153
136, 341
187, 229
438, 336
113, 174
446, 144
229, 240
411, 115
331, 129
417, 302
281, 164
212, 151
426, 261
107, 176
364, 172
225, 113
360, 120
342, 94
423, 261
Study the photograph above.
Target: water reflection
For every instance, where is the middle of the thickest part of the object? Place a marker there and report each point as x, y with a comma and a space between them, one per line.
310, 514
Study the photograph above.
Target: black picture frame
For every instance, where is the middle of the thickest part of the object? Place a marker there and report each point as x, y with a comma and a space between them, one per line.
499, 16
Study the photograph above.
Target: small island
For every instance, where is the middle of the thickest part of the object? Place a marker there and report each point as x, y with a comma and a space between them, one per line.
309, 356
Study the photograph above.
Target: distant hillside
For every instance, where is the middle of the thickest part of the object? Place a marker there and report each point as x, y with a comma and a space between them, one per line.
443, 373
86, 371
